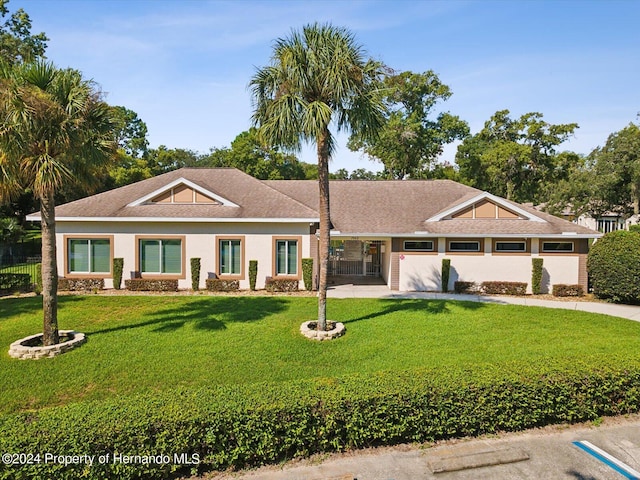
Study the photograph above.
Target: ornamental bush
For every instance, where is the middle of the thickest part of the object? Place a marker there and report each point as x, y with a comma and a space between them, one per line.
446, 268
465, 287
281, 285
222, 285
536, 275
614, 267
503, 288
195, 274
149, 285
253, 274
307, 273
80, 284
561, 290
15, 282
118, 266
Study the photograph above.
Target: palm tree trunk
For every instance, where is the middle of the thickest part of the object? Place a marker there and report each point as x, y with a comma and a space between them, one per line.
325, 226
49, 270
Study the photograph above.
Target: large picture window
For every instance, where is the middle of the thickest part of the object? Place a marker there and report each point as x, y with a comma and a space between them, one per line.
230, 257
161, 256
287, 257
89, 255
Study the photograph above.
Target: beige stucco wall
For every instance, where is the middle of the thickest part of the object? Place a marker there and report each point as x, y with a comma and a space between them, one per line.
422, 272
200, 241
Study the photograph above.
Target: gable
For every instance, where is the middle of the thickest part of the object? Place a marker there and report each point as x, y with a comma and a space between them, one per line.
485, 209
183, 192
485, 206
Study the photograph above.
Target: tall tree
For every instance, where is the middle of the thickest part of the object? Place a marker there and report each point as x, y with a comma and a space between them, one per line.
513, 158
131, 134
318, 76
17, 44
412, 139
56, 129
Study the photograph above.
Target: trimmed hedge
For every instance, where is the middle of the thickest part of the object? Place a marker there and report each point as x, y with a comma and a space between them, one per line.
149, 285
280, 285
222, 285
614, 267
80, 284
536, 275
307, 273
195, 274
250, 425
446, 268
15, 282
561, 290
503, 288
465, 287
253, 274
118, 266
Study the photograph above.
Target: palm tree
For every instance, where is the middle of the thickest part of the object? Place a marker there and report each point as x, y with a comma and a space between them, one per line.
316, 78
55, 131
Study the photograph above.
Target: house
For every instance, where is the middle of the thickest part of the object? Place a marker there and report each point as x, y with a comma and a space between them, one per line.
396, 230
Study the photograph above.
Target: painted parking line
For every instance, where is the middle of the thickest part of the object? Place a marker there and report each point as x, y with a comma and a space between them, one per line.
609, 460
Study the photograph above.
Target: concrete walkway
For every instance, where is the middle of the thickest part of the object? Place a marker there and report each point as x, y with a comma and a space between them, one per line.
630, 312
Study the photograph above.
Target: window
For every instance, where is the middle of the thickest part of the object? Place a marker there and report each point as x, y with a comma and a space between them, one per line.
464, 246
161, 256
420, 246
511, 247
230, 257
286, 257
89, 255
557, 246
606, 225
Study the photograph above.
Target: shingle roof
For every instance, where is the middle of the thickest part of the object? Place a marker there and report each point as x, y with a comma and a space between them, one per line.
357, 207
254, 198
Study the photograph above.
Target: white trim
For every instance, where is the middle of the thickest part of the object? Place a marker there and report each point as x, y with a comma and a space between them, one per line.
485, 196
36, 218
182, 181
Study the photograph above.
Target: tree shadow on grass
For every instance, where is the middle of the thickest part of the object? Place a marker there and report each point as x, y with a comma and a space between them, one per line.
430, 307
209, 314
16, 306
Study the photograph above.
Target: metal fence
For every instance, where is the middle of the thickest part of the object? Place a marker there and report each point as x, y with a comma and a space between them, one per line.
18, 260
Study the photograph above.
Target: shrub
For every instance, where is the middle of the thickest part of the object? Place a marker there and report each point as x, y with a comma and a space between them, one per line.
195, 274
307, 273
446, 268
634, 228
465, 287
38, 285
248, 425
561, 290
118, 266
149, 285
80, 284
536, 275
281, 285
253, 274
614, 267
503, 288
15, 282
222, 285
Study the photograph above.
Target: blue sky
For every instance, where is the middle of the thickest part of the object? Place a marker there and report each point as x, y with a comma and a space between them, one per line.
184, 66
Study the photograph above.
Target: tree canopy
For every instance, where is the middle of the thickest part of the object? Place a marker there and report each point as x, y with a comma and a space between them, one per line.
412, 137
513, 158
17, 43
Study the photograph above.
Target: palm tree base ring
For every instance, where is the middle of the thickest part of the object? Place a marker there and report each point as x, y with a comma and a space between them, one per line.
31, 347
309, 330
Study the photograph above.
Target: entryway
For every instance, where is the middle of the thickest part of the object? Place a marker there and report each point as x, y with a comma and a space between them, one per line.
357, 259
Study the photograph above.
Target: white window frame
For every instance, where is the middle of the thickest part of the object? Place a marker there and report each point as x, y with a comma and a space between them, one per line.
89, 256
287, 241
161, 250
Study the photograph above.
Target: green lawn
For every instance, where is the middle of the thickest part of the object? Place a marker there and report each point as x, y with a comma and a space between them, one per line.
140, 344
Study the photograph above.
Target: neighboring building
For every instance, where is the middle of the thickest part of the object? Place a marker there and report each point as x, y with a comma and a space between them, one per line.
396, 230
608, 222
